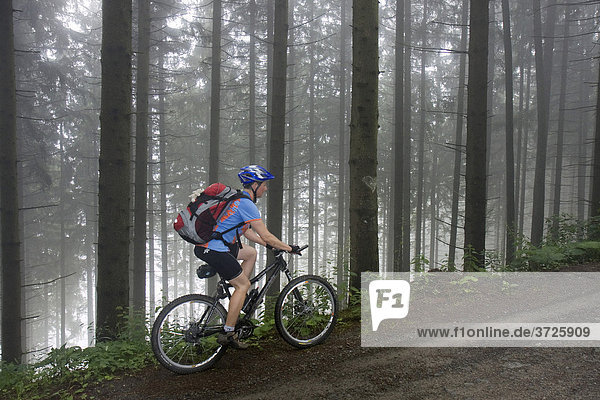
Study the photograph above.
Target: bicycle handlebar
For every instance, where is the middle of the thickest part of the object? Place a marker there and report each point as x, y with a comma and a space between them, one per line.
278, 251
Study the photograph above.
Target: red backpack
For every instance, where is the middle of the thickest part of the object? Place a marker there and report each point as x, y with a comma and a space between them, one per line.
197, 222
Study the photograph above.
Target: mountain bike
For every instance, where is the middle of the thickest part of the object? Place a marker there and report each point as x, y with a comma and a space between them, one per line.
184, 334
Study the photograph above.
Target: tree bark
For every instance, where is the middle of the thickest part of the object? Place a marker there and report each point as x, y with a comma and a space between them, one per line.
252, 85
419, 222
215, 93
406, 145
398, 144
115, 175
595, 193
141, 158
511, 228
560, 137
543, 67
363, 140
162, 150
476, 180
291, 203
9, 201
277, 139
342, 162
460, 105
312, 185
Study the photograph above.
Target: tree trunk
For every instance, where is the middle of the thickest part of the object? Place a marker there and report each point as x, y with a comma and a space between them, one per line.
115, 175
215, 94
560, 137
475, 198
141, 158
9, 202
277, 139
524, 163
62, 303
252, 85
511, 228
582, 145
342, 162
543, 67
460, 105
407, 127
363, 140
291, 203
595, 193
162, 150
421, 143
398, 144
312, 185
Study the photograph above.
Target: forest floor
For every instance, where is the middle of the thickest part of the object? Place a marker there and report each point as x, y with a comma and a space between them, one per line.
341, 369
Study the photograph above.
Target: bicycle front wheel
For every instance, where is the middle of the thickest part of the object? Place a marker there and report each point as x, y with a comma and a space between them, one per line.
184, 334
306, 311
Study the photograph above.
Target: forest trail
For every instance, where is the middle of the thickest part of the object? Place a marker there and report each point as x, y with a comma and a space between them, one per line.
341, 369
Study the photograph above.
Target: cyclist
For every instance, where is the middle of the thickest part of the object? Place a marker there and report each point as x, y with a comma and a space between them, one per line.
223, 253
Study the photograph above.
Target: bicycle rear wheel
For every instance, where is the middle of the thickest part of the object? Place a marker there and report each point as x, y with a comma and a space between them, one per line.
306, 311
184, 334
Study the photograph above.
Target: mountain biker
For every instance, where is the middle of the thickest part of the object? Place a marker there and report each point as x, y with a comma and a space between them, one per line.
223, 253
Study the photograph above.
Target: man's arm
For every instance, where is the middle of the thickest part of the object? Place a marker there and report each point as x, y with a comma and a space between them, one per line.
254, 237
259, 228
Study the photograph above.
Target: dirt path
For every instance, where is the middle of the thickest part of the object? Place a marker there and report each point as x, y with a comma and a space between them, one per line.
341, 369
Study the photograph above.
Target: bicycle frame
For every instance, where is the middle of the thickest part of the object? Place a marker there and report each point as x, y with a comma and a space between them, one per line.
223, 292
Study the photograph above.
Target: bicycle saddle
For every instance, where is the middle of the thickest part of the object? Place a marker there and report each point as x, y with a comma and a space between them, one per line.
205, 271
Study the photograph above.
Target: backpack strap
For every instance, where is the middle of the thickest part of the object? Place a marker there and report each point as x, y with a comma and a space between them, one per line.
219, 235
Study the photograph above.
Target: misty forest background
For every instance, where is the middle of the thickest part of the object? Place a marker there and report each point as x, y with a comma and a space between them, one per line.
215, 85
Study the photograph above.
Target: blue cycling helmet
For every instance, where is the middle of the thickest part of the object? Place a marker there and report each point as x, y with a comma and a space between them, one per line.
254, 173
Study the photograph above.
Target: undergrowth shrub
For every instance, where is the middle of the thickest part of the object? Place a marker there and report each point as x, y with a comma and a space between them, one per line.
569, 241
67, 372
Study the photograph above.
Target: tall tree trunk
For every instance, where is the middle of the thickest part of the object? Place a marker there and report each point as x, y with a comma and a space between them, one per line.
595, 192
363, 140
141, 158
252, 85
421, 142
460, 105
277, 139
525, 146
475, 198
407, 127
511, 228
582, 149
543, 67
342, 162
312, 185
560, 137
215, 107
270, 39
62, 301
151, 241
215, 93
433, 209
162, 150
291, 203
115, 175
9, 201
398, 144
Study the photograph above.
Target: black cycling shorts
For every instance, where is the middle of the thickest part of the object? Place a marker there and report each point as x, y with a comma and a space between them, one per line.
225, 263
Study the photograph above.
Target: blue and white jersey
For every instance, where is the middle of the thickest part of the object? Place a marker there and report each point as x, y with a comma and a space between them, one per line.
240, 211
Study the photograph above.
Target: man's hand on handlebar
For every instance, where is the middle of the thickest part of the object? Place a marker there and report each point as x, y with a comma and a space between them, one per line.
297, 249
